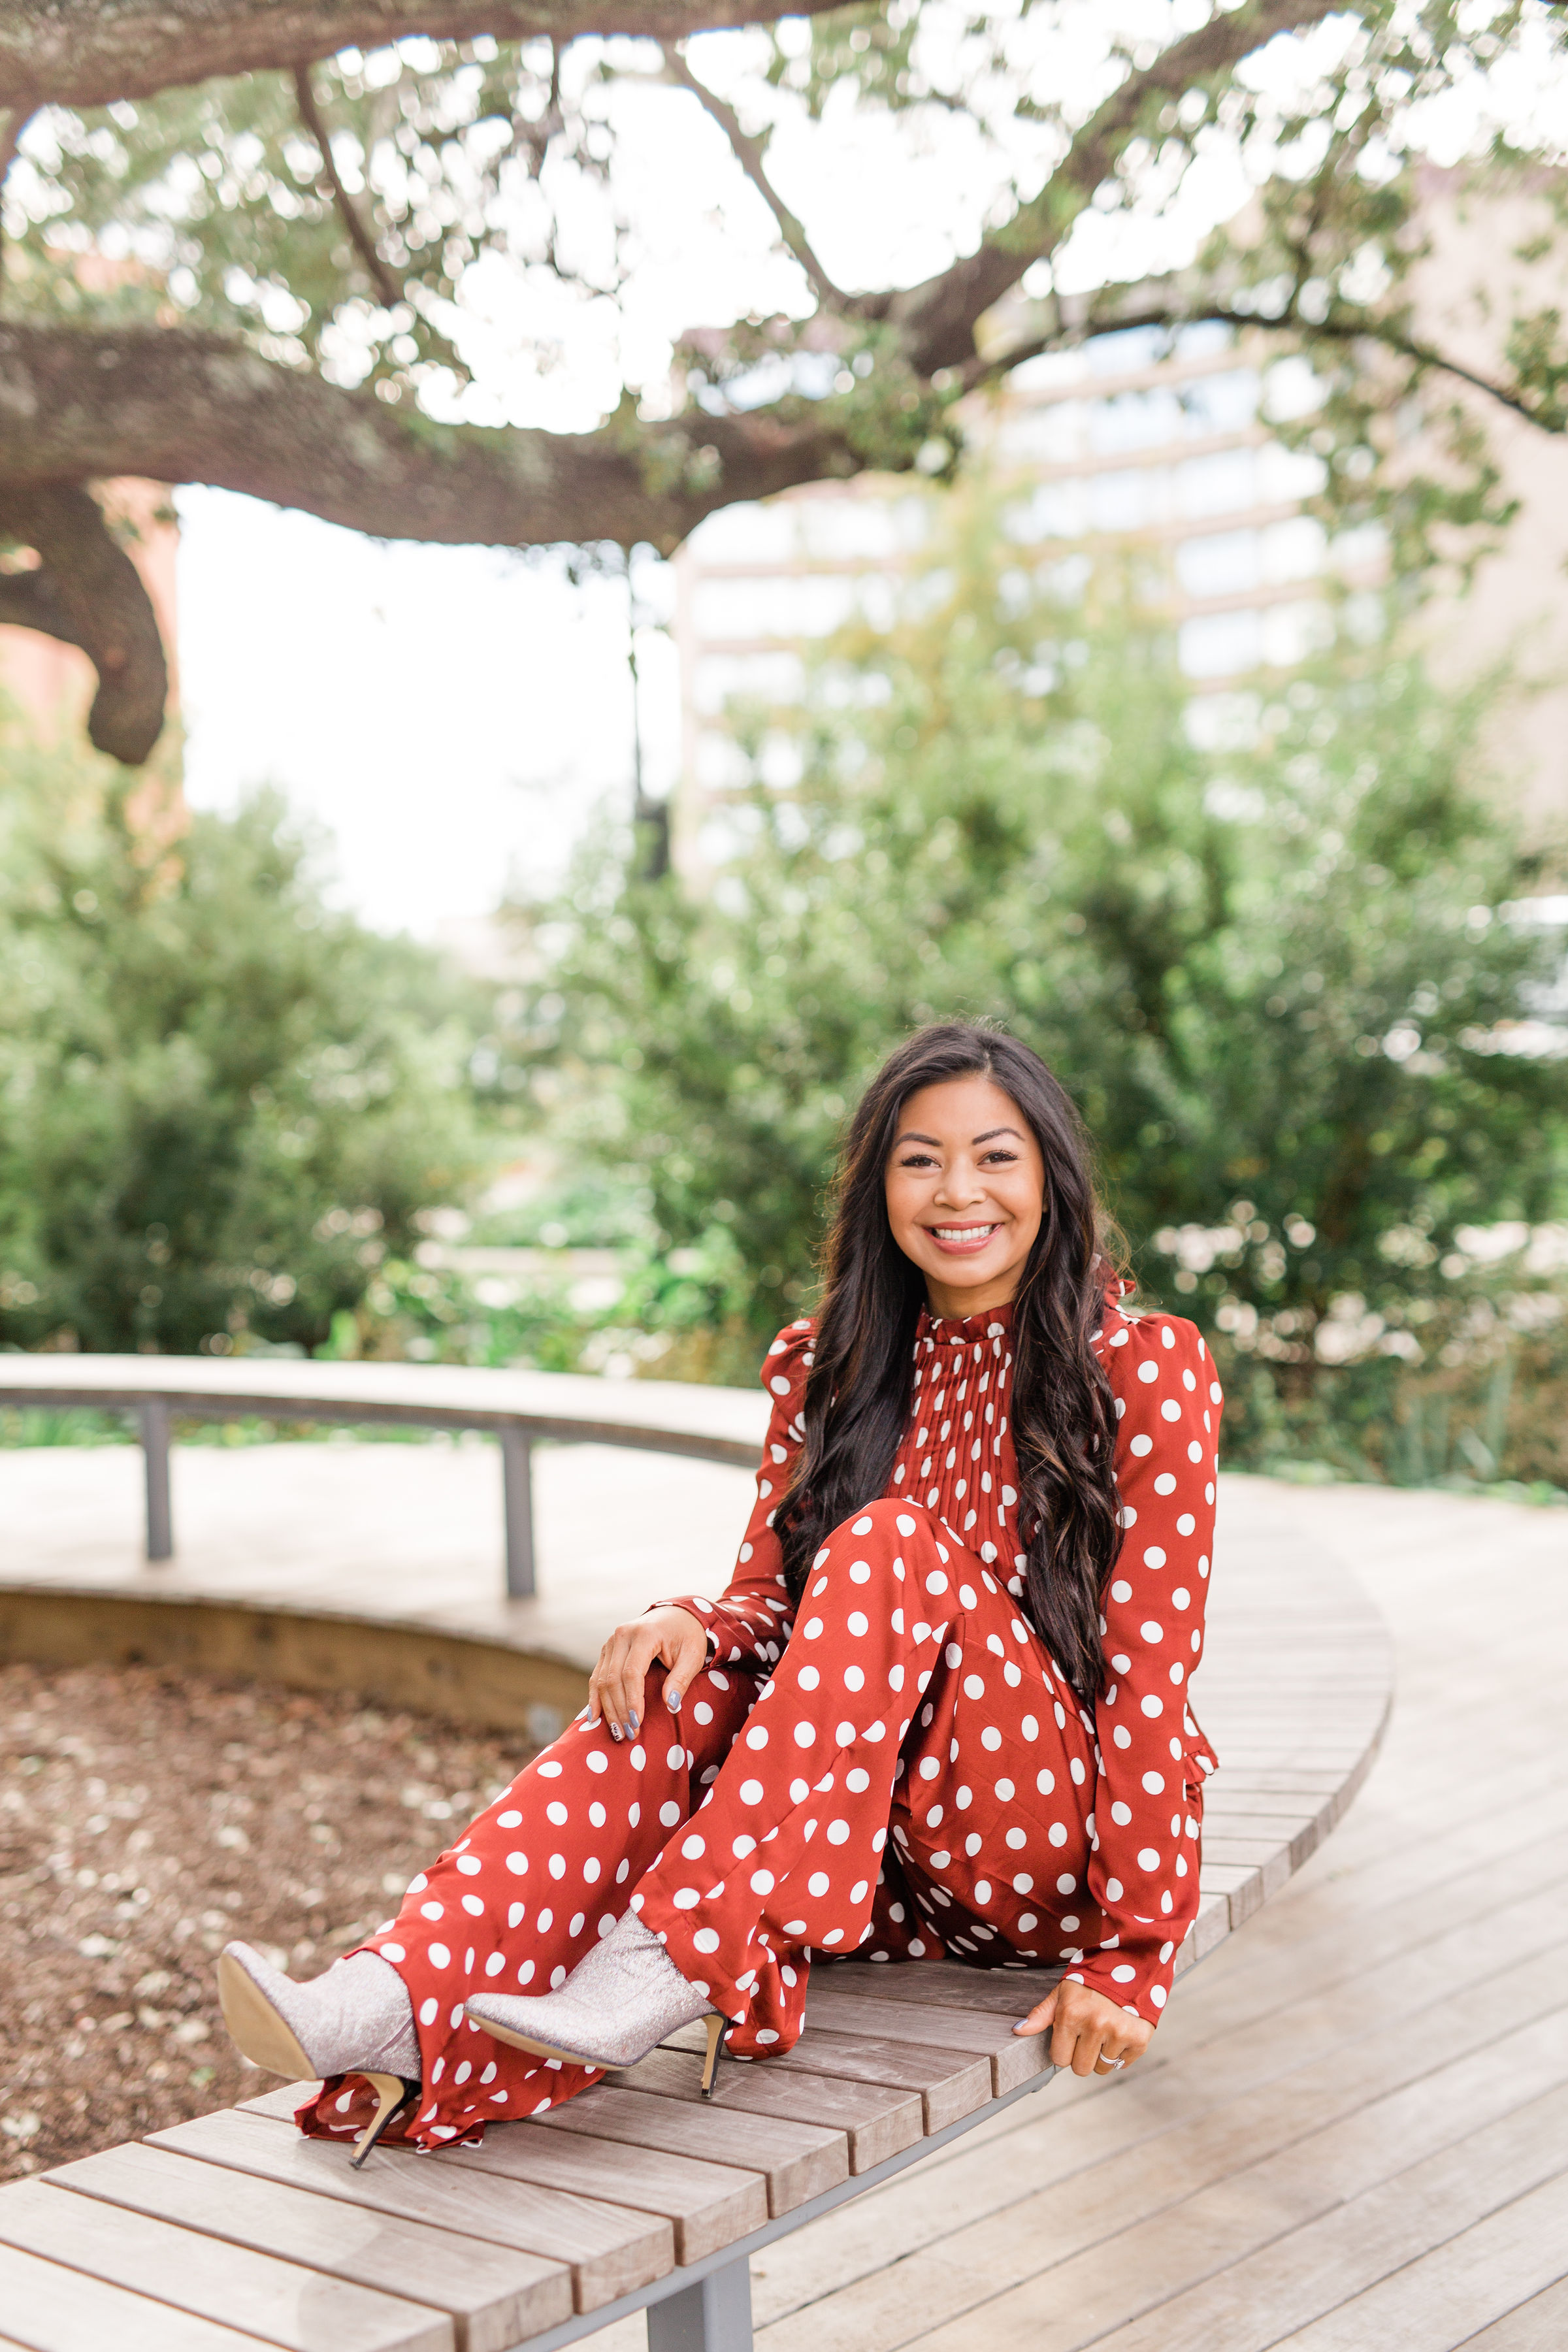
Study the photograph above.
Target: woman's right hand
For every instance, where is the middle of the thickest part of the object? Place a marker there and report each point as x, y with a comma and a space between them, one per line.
615, 1687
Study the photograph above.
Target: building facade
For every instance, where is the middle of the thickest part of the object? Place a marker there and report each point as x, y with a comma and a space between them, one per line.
1170, 459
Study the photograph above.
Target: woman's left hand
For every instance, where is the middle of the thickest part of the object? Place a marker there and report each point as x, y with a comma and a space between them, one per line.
1090, 2034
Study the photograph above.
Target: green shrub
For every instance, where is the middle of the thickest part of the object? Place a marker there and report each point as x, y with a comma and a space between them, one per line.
1281, 972
221, 1103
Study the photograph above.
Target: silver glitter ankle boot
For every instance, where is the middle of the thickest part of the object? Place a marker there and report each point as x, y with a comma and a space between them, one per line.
356, 2019
618, 2004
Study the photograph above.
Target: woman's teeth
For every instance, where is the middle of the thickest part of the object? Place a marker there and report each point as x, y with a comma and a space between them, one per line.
963, 1233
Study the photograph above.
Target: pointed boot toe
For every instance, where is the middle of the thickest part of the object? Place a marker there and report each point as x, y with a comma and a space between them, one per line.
256, 2024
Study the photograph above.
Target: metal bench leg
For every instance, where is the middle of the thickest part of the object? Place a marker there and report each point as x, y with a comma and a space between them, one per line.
155, 1451
714, 2315
517, 1490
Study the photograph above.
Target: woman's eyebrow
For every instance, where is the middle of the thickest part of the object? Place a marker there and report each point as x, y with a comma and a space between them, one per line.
989, 1136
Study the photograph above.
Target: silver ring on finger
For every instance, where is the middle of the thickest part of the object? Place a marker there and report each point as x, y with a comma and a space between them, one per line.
1110, 2065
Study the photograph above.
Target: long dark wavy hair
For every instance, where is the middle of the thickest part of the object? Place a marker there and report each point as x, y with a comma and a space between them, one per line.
857, 1391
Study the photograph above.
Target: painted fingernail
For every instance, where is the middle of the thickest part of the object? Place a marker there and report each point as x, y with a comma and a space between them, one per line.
632, 1720
615, 1731
672, 1698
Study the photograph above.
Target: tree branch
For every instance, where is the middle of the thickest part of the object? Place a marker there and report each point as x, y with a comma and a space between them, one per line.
89, 52
1071, 319
938, 318
88, 593
1391, 339
536, 136
749, 155
384, 279
16, 121
173, 405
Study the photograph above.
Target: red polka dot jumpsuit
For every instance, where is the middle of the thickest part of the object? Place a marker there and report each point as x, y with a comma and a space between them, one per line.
902, 1772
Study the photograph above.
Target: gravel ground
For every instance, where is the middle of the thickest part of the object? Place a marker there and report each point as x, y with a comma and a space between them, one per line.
146, 1819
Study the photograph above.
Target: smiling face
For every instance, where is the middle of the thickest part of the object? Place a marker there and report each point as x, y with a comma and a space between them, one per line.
966, 1188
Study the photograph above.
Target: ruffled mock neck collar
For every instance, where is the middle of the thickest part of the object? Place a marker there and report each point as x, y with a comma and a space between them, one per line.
964, 1330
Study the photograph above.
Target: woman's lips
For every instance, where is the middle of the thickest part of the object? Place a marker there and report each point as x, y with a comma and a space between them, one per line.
961, 1241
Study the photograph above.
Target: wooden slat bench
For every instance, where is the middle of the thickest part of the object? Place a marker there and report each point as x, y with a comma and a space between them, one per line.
232, 2229
707, 1424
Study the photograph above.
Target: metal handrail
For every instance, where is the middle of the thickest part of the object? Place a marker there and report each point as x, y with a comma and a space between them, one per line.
709, 1424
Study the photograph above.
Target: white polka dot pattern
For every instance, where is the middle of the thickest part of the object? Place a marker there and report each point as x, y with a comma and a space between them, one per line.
908, 1776
957, 1461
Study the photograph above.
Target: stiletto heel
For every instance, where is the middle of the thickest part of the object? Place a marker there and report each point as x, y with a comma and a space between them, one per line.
718, 2036
395, 2091
356, 2020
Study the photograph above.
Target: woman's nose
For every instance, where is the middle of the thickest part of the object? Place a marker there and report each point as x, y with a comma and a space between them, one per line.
960, 1187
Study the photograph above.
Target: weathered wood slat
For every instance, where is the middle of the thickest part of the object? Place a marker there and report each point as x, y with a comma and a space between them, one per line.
1539, 2325
282, 2104
1241, 1887
1254, 1818
1260, 1780
1503, 2181
51, 2309
1271, 1864
796, 2161
1273, 1722
708, 2205
950, 2086
277, 2301
1284, 1853
1008, 1993
1254, 1747
1014, 2059
1288, 1713
877, 2121
611, 2251
1208, 1930
494, 2294
1457, 2286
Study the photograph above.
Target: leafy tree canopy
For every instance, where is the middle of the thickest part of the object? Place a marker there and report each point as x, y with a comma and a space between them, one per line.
1285, 976
392, 262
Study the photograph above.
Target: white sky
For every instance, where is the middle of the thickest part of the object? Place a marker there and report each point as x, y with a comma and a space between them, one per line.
451, 714
454, 715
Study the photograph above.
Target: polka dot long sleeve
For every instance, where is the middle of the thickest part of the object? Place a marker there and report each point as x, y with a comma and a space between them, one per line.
1151, 1756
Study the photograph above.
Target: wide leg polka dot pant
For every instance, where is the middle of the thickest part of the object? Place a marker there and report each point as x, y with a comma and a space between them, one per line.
913, 1781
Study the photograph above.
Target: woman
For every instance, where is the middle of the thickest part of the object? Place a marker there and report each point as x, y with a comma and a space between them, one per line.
941, 1710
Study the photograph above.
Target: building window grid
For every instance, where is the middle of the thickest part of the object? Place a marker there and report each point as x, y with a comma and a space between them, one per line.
1171, 458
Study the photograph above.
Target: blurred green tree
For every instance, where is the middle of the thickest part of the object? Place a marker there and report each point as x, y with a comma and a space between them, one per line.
221, 1103
1285, 974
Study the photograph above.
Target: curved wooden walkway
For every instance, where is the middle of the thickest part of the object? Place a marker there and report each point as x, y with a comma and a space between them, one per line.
233, 2222
1352, 2129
